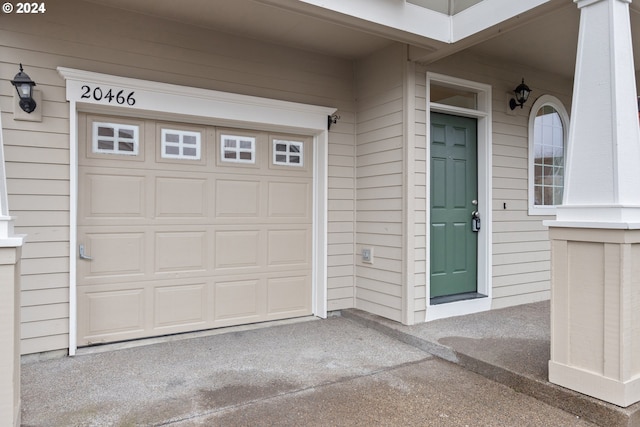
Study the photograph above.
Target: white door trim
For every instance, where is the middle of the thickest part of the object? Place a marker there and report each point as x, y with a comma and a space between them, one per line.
87, 91
483, 115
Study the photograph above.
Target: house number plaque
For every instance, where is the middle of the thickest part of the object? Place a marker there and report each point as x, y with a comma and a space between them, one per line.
108, 95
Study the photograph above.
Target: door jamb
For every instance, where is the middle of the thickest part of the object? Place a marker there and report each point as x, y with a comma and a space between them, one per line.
484, 145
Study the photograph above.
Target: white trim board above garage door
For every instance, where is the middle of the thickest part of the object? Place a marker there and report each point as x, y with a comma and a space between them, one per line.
88, 91
85, 87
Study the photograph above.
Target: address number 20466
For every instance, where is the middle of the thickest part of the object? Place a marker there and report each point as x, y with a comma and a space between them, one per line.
108, 95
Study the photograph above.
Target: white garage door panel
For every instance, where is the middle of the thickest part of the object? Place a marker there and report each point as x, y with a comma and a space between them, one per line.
238, 300
238, 249
180, 305
287, 296
180, 245
116, 314
180, 197
289, 247
237, 198
115, 196
180, 251
114, 254
289, 200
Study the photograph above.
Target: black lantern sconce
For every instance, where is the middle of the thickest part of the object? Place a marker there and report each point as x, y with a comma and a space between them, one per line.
24, 85
522, 94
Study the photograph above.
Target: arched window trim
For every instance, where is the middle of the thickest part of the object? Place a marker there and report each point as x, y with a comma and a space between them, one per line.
554, 102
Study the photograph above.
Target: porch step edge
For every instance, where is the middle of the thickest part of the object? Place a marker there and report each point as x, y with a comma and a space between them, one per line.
588, 408
393, 330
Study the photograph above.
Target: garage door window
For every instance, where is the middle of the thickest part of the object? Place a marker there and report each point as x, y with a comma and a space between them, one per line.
287, 153
238, 149
114, 138
180, 144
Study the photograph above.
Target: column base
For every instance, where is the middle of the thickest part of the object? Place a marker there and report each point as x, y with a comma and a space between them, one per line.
10, 336
595, 312
595, 385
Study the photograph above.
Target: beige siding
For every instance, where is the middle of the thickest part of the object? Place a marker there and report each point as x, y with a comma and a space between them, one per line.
379, 182
420, 191
87, 36
524, 276
340, 280
521, 249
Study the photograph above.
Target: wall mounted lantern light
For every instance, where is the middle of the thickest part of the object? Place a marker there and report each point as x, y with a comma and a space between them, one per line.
24, 85
522, 93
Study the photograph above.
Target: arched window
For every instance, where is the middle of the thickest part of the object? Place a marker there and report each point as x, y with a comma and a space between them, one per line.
548, 131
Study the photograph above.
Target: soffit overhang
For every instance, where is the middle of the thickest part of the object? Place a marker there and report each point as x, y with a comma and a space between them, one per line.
541, 34
348, 29
399, 17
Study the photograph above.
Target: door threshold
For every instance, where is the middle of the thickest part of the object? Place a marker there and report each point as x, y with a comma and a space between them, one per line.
457, 297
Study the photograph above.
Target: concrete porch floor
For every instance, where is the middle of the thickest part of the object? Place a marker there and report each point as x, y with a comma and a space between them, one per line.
485, 369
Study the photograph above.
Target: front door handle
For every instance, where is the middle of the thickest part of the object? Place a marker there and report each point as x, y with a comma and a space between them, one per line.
475, 221
82, 254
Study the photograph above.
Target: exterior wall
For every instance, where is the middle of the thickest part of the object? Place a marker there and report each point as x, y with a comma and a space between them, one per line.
380, 180
521, 248
341, 227
421, 266
90, 37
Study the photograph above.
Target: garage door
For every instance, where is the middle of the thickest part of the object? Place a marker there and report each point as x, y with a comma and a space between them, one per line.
188, 227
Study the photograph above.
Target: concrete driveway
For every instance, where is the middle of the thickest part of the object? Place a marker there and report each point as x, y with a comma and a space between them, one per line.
309, 372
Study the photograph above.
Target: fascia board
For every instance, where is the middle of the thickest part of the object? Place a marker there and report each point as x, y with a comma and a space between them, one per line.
486, 14
402, 16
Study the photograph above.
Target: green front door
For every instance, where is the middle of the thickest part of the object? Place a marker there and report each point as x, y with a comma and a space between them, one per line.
454, 195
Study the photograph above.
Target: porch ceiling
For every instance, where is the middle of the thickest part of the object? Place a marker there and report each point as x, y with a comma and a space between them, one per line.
257, 20
546, 43
549, 42
544, 38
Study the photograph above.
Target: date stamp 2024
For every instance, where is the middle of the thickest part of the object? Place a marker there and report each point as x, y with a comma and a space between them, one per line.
24, 8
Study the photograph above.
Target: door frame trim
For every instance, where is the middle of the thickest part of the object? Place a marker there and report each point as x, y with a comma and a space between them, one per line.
163, 100
484, 135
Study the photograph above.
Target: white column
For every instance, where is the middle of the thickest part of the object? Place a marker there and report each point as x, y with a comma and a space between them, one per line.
7, 237
595, 240
603, 176
6, 225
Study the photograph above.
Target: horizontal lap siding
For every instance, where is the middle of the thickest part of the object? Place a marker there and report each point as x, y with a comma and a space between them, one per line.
90, 37
341, 220
521, 249
38, 184
379, 182
523, 273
